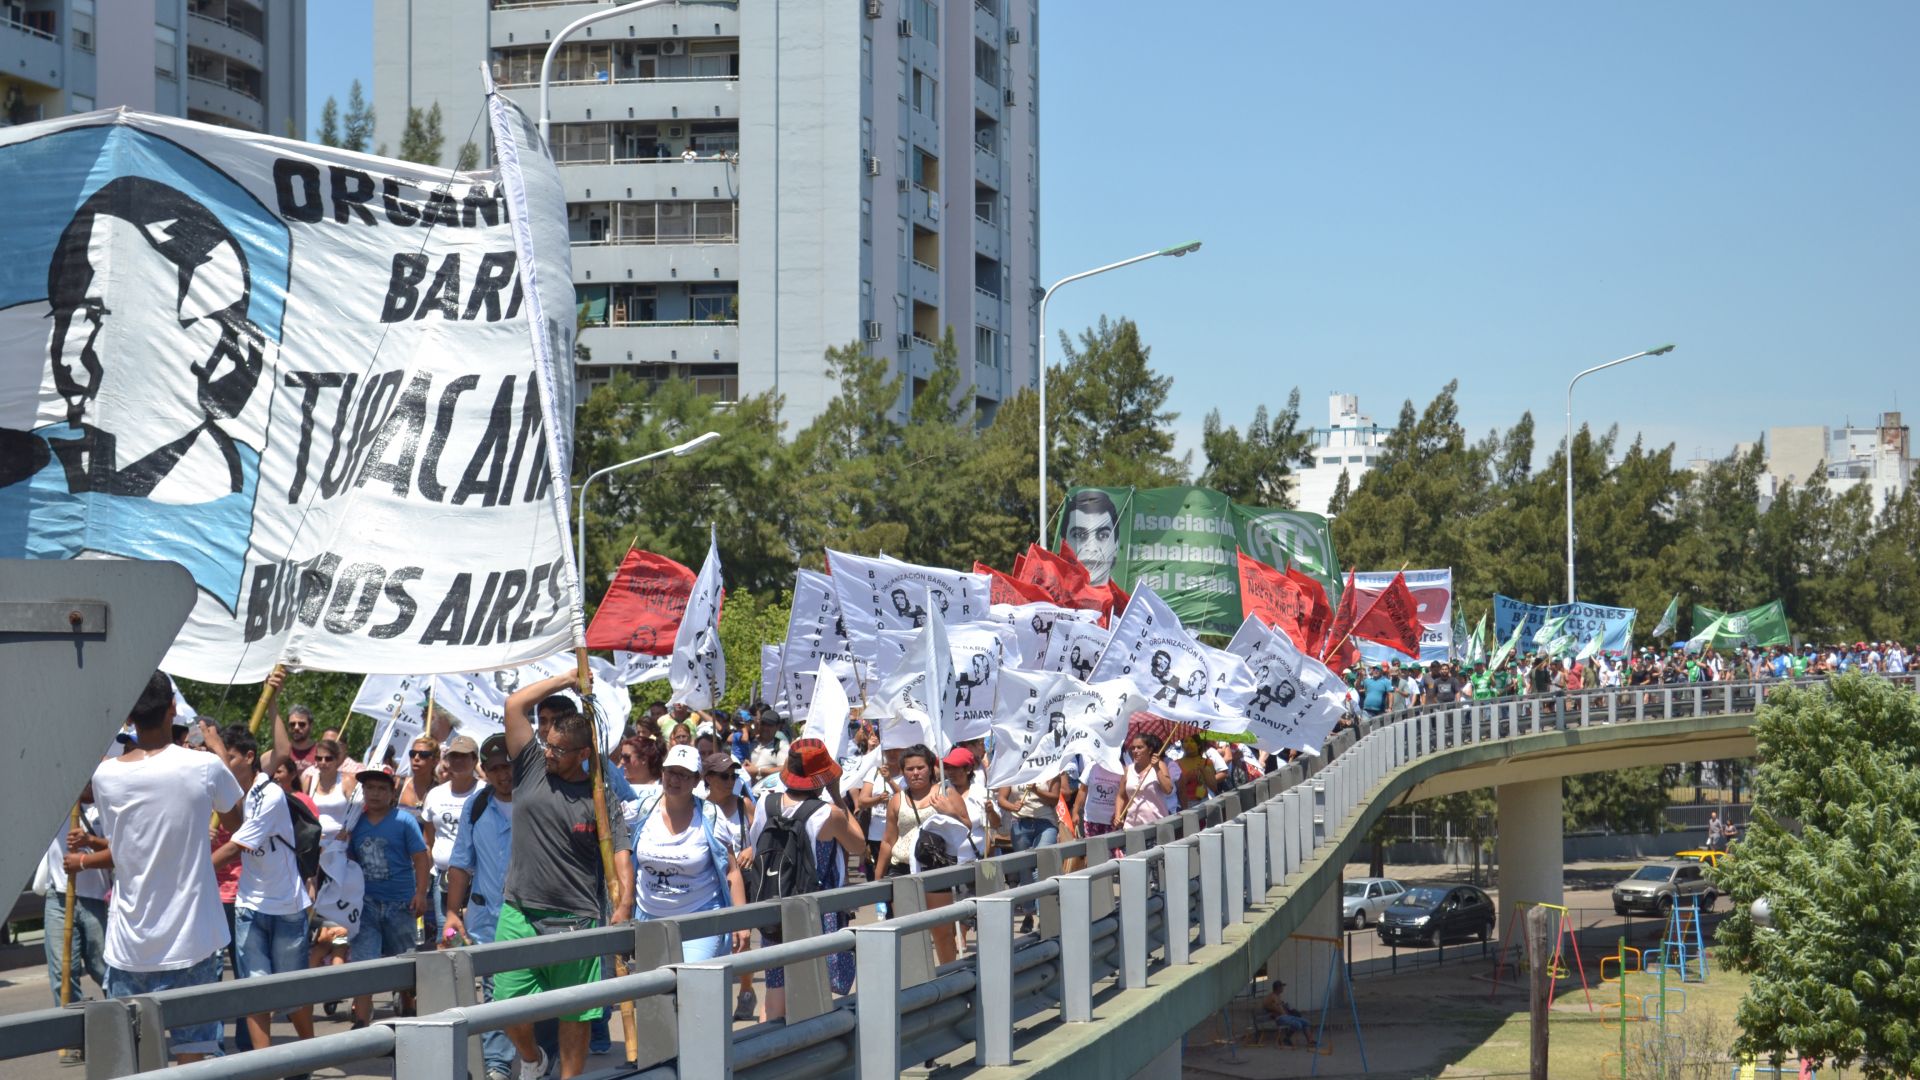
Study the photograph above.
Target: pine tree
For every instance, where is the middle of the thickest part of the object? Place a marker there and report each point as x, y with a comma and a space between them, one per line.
330, 123
423, 142
1110, 423
1258, 468
469, 159
356, 128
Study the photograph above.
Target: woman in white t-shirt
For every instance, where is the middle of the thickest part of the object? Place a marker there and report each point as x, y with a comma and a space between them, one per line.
331, 790
875, 796
683, 860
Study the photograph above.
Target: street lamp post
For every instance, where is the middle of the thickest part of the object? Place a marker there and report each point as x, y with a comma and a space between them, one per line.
1661, 351
580, 515
553, 48
1176, 251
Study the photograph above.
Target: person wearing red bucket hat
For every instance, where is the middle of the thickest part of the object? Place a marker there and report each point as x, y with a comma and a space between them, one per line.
788, 827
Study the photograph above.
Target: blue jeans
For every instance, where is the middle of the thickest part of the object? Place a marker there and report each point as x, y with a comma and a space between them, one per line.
89, 941
1034, 832
386, 929
696, 950
269, 944
193, 1038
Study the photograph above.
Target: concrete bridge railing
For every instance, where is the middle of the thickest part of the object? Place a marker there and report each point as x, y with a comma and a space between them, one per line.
1163, 925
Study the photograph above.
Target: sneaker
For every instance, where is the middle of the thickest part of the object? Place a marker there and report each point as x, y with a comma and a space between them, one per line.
73, 1057
499, 1074
746, 1006
533, 1070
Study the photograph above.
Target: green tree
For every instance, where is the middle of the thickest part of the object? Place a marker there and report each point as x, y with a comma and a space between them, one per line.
356, 128
330, 123
1621, 801
1830, 849
423, 141
1257, 468
1108, 413
469, 159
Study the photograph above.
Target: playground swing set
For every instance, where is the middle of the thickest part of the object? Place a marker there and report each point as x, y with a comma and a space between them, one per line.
1339, 982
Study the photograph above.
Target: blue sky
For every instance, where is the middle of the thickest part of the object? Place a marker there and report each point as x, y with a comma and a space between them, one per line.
1394, 195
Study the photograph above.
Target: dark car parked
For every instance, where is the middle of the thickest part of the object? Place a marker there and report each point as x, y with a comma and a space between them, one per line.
1430, 915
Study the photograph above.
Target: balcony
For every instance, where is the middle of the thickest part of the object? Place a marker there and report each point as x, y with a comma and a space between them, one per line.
33, 49
682, 342
667, 179
690, 263
923, 282
986, 165
665, 100
532, 24
987, 239
238, 106
223, 37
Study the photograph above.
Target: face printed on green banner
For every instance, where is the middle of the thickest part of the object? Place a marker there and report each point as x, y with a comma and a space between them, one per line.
1181, 543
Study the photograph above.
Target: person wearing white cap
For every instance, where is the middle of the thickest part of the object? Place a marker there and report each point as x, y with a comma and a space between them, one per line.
683, 856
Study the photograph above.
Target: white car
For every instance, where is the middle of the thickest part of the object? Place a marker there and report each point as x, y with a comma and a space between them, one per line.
1363, 899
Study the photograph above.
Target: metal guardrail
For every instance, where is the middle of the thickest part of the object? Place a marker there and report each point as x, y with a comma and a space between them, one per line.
1114, 919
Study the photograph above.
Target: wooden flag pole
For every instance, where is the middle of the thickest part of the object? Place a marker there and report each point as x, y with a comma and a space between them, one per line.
66, 947
268, 692
602, 823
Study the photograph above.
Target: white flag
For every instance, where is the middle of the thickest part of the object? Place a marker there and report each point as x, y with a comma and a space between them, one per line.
1049, 720
797, 683
699, 665
1297, 700
916, 693
1032, 626
1549, 630
978, 653
477, 701
770, 676
1593, 646
1181, 679
828, 713
391, 697
1073, 648
883, 593
633, 668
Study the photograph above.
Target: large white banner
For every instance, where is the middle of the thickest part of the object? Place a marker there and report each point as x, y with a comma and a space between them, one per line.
1047, 720
1033, 630
1297, 700
304, 374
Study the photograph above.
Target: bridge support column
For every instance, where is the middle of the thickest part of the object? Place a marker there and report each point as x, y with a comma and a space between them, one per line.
1530, 847
1303, 965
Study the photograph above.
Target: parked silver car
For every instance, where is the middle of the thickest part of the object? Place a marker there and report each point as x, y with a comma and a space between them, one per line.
1656, 887
1363, 899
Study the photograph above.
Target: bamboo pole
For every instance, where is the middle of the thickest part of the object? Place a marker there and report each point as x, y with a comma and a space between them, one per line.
66, 947
268, 692
602, 823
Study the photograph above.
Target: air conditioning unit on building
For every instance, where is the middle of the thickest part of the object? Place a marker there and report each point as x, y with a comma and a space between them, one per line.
902, 185
1008, 98
906, 27
906, 342
670, 48
873, 166
1013, 35
873, 9
873, 330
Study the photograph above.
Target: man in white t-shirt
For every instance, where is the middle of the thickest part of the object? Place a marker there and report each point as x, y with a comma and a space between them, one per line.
270, 899
445, 807
165, 928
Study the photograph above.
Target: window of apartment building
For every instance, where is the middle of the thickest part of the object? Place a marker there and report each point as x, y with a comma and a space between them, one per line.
866, 58
984, 347
709, 137
718, 302
866, 221
991, 7
926, 19
81, 23
906, 82
715, 59
986, 62
866, 135
82, 103
926, 93
166, 52
579, 143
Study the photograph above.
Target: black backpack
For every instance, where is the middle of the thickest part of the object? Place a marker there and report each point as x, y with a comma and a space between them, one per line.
782, 863
306, 837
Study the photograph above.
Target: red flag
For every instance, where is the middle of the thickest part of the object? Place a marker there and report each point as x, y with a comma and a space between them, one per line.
1345, 655
1392, 618
1067, 583
1343, 619
1320, 612
1275, 599
642, 609
1008, 589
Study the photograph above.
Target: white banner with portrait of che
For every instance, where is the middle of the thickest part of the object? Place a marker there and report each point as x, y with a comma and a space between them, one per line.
322, 382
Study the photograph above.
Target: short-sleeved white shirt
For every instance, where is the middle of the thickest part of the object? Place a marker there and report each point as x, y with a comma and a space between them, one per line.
156, 810
443, 808
269, 868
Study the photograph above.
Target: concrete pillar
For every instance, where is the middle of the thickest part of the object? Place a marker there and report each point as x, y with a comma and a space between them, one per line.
1529, 847
1303, 964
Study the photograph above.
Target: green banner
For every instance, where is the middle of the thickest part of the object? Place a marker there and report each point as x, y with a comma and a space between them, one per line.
1180, 541
1764, 625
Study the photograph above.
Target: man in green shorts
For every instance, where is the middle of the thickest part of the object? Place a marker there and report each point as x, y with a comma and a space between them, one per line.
554, 879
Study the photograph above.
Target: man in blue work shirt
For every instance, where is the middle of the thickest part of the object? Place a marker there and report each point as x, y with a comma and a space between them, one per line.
1376, 692
476, 874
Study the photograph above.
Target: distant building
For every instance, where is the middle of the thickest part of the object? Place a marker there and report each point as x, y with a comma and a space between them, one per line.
1878, 457
751, 184
1351, 443
236, 63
